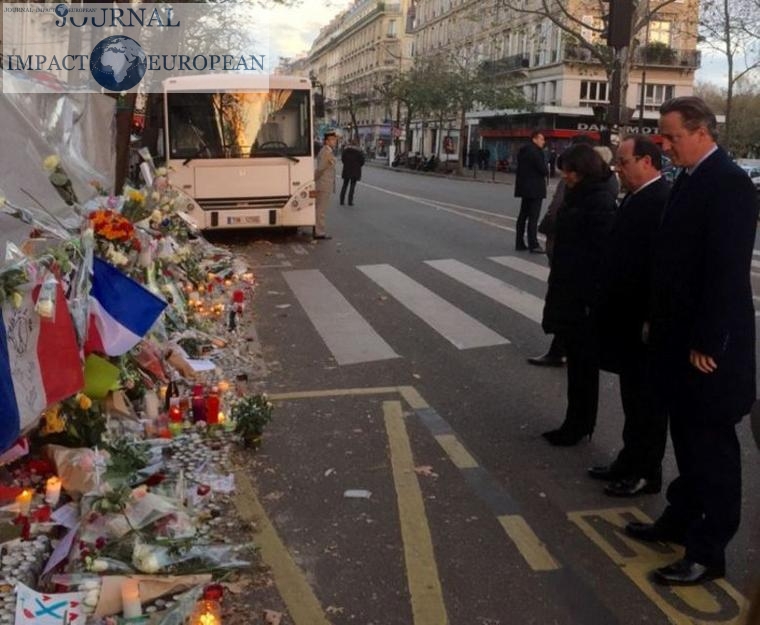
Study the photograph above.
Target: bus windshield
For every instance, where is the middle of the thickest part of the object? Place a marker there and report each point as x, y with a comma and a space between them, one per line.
239, 125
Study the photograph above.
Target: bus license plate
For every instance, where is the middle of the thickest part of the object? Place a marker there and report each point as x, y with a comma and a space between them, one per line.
251, 219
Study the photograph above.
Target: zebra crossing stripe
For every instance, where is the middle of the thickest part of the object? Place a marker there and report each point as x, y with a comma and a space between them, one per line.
523, 266
345, 332
454, 325
521, 302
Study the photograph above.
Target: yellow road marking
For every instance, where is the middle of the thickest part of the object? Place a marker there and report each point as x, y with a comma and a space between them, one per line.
457, 452
716, 602
528, 544
428, 607
338, 392
412, 397
302, 604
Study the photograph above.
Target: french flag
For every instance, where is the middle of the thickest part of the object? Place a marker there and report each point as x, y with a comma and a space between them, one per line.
40, 363
121, 311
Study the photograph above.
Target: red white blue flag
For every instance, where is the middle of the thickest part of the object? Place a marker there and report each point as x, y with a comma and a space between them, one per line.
40, 362
121, 311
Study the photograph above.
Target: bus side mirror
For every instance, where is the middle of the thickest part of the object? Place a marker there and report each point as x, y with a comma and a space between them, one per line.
319, 105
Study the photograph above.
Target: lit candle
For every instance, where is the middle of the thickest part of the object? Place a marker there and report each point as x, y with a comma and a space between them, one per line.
130, 598
224, 386
52, 491
222, 418
207, 613
24, 501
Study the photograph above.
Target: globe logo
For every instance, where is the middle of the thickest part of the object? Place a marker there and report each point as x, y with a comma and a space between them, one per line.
61, 10
118, 63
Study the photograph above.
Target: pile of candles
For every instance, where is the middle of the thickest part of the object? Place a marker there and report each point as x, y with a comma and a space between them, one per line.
20, 561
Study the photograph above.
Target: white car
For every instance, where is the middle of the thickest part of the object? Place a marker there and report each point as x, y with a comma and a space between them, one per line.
753, 171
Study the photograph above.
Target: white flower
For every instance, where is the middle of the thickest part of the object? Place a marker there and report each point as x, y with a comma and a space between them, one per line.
155, 196
44, 308
161, 171
17, 299
145, 559
156, 215
51, 163
98, 565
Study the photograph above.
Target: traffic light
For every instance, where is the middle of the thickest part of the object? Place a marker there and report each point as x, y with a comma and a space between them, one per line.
619, 22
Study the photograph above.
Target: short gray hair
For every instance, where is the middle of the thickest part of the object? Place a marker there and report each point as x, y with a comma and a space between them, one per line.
694, 112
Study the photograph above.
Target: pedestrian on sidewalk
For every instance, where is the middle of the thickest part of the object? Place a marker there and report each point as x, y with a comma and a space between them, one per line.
324, 182
702, 336
622, 312
582, 227
530, 186
353, 161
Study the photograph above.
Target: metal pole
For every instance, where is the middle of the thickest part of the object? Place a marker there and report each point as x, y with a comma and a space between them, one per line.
644, 74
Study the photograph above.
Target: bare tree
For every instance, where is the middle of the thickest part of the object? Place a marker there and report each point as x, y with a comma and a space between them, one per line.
730, 28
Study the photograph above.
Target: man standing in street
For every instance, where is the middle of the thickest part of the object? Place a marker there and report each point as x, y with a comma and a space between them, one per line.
353, 160
622, 312
702, 333
324, 181
530, 185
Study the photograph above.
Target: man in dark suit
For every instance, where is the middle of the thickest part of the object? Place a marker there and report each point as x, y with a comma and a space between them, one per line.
702, 333
353, 161
622, 312
530, 185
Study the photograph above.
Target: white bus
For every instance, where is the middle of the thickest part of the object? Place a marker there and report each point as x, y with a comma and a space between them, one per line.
241, 147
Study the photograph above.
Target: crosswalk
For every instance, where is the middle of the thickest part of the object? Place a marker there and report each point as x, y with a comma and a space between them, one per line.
351, 339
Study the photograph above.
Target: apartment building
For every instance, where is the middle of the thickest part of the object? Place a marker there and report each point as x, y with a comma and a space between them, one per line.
566, 85
353, 59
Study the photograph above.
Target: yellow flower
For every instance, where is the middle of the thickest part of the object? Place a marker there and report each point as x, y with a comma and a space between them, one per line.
51, 162
17, 299
84, 402
54, 422
136, 196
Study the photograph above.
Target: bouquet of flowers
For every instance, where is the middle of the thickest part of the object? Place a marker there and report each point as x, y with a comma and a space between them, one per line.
115, 236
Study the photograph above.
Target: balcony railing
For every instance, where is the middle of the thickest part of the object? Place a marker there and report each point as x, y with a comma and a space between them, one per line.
506, 64
664, 56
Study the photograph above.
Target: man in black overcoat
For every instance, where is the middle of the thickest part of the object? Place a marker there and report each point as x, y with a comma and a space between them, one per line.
622, 312
702, 333
353, 161
530, 185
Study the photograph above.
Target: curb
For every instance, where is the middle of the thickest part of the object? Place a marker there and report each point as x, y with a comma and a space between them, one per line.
439, 175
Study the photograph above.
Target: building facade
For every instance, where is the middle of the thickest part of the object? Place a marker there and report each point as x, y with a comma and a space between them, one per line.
557, 70
353, 60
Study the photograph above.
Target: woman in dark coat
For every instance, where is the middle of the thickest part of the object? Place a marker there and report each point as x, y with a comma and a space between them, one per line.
582, 226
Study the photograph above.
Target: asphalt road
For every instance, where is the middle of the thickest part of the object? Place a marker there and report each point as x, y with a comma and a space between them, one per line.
407, 343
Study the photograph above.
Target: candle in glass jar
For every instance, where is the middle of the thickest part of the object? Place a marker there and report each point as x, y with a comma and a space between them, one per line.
212, 406
130, 598
24, 501
52, 491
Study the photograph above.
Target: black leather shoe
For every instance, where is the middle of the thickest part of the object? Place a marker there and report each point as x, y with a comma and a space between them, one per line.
651, 533
537, 250
322, 236
548, 360
632, 486
565, 437
687, 573
605, 472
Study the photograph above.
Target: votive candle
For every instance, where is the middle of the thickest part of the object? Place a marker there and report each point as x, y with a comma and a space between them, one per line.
130, 598
52, 490
24, 501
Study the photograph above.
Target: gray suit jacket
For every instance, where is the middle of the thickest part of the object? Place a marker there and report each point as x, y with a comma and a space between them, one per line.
324, 176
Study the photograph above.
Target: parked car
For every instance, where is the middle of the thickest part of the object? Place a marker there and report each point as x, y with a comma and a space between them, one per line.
753, 171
